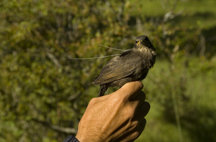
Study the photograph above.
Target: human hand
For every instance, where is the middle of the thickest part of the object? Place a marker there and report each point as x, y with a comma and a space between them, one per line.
116, 117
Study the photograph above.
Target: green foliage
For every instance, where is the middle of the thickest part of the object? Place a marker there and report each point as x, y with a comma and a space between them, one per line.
184, 91
44, 88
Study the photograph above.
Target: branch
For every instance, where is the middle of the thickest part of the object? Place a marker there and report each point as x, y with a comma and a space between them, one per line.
202, 45
55, 127
53, 59
73, 97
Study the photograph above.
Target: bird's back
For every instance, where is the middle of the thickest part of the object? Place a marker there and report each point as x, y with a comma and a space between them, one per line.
129, 66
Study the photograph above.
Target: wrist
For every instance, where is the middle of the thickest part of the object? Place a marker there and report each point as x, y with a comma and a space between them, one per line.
83, 137
88, 138
80, 138
71, 139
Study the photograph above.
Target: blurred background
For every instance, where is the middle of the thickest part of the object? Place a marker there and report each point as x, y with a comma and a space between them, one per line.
48, 51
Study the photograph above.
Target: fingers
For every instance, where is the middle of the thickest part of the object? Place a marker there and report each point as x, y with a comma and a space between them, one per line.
141, 110
138, 96
139, 105
129, 89
138, 130
134, 133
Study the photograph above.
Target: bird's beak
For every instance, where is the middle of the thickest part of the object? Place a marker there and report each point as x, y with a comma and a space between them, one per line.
138, 43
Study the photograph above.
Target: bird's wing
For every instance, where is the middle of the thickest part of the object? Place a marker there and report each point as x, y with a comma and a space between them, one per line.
119, 67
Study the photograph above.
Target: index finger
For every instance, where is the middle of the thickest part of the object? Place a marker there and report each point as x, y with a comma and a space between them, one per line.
129, 89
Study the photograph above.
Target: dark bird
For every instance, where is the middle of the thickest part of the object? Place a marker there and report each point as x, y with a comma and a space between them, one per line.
131, 65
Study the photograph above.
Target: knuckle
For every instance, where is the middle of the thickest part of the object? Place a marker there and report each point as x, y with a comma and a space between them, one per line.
141, 86
136, 134
92, 101
140, 126
134, 124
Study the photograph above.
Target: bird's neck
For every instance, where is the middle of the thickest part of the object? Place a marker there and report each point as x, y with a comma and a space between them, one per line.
148, 54
146, 51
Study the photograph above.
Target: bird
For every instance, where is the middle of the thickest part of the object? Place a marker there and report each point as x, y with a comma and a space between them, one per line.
130, 65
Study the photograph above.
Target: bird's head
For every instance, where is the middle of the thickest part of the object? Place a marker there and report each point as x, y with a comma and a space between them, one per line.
144, 42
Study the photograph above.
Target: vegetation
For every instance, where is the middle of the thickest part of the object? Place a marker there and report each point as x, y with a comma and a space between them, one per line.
46, 65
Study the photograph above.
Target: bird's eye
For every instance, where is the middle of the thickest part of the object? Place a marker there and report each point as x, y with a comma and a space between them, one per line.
136, 41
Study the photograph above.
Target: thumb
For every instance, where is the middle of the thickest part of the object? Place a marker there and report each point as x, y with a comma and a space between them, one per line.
129, 89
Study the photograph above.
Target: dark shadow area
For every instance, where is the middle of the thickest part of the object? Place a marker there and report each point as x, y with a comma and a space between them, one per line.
201, 123
210, 38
